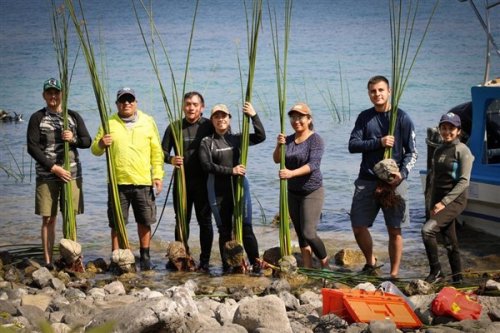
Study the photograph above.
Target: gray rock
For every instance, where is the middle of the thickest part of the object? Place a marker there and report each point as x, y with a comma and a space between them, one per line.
298, 327
7, 307
58, 302
78, 313
16, 293
357, 328
60, 328
207, 306
73, 294
291, 302
42, 277
418, 287
382, 326
494, 314
224, 313
368, 286
11, 274
492, 285
266, 312
97, 293
57, 284
40, 301
137, 317
310, 297
56, 316
493, 328
330, 322
308, 309
278, 286
228, 328
32, 313
115, 288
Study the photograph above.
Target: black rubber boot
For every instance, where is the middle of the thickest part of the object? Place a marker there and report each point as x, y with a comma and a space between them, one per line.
145, 260
455, 265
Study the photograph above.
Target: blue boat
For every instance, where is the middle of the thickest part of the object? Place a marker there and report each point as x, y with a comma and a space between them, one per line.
481, 126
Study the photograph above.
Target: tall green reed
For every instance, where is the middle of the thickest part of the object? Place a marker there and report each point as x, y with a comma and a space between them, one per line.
104, 110
402, 29
60, 23
173, 106
253, 26
281, 71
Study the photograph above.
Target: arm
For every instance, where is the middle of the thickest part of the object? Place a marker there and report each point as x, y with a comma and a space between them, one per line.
167, 145
33, 139
410, 153
156, 158
277, 150
357, 141
83, 138
465, 160
259, 134
97, 148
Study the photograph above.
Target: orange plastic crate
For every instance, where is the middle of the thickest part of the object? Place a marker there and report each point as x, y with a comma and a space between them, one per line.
364, 306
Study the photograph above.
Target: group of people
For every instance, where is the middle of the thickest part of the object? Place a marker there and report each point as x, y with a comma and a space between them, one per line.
211, 161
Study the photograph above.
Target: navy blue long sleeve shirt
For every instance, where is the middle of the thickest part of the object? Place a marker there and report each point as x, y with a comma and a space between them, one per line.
366, 137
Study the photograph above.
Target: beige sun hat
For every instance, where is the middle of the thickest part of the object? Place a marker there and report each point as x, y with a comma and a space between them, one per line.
301, 108
220, 108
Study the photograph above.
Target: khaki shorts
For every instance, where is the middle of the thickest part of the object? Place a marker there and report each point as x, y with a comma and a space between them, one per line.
50, 194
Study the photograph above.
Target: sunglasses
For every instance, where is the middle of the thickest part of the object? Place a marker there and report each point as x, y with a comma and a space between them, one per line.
127, 98
299, 117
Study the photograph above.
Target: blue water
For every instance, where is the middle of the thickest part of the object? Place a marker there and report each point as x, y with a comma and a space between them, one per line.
326, 37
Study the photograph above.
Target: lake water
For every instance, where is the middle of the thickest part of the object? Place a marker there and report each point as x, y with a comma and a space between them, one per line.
327, 37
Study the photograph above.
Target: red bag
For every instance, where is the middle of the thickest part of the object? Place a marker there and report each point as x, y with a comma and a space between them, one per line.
457, 304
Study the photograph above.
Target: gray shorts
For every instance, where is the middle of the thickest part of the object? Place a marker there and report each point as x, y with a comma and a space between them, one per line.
365, 208
142, 200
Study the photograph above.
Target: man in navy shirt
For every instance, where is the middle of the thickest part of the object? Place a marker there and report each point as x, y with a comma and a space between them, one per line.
370, 138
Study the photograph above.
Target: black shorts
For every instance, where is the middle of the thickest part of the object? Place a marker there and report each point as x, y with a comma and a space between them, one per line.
142, 199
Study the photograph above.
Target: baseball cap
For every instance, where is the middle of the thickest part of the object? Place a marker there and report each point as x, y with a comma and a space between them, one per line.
301, 108
52, 83
451, 118
221, 108
125, 91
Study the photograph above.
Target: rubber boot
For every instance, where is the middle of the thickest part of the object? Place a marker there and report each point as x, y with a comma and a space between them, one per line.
455, 265
145, 259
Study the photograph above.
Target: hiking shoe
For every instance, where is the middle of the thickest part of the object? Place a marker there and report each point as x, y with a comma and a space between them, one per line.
434, 277
146, 264
50, 266
256, 269
203, 268
370, 270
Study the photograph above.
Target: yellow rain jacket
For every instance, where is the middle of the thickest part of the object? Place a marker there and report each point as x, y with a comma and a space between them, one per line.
136, 151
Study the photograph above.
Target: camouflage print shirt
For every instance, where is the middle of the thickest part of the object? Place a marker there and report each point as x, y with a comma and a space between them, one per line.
45, 142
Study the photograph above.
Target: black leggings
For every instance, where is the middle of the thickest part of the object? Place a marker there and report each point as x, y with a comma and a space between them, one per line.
443, 223
222, 205
196, 194
305, 212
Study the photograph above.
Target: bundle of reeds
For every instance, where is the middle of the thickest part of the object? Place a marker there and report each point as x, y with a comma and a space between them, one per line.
402, 29
253, 26
60, 22
173, 107
104, 109
281, 71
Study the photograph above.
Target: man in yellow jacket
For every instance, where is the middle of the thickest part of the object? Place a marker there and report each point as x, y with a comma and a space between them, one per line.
138, 157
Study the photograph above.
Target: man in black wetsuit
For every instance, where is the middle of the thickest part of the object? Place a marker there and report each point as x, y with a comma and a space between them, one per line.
194, 128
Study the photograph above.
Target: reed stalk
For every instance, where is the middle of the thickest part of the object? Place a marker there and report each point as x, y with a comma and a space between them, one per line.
253, 26
340, 113
173, 107
104, 111
402, 28
60, 23
281, 71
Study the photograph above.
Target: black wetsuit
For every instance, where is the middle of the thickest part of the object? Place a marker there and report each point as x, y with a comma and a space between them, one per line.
196, 180
218, 155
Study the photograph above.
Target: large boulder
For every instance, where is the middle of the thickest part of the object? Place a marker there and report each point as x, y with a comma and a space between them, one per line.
263, 313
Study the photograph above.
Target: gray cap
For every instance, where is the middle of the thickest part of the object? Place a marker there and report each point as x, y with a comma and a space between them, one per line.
125, 91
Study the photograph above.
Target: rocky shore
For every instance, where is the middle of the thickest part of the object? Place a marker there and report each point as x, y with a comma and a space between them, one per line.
76, 302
